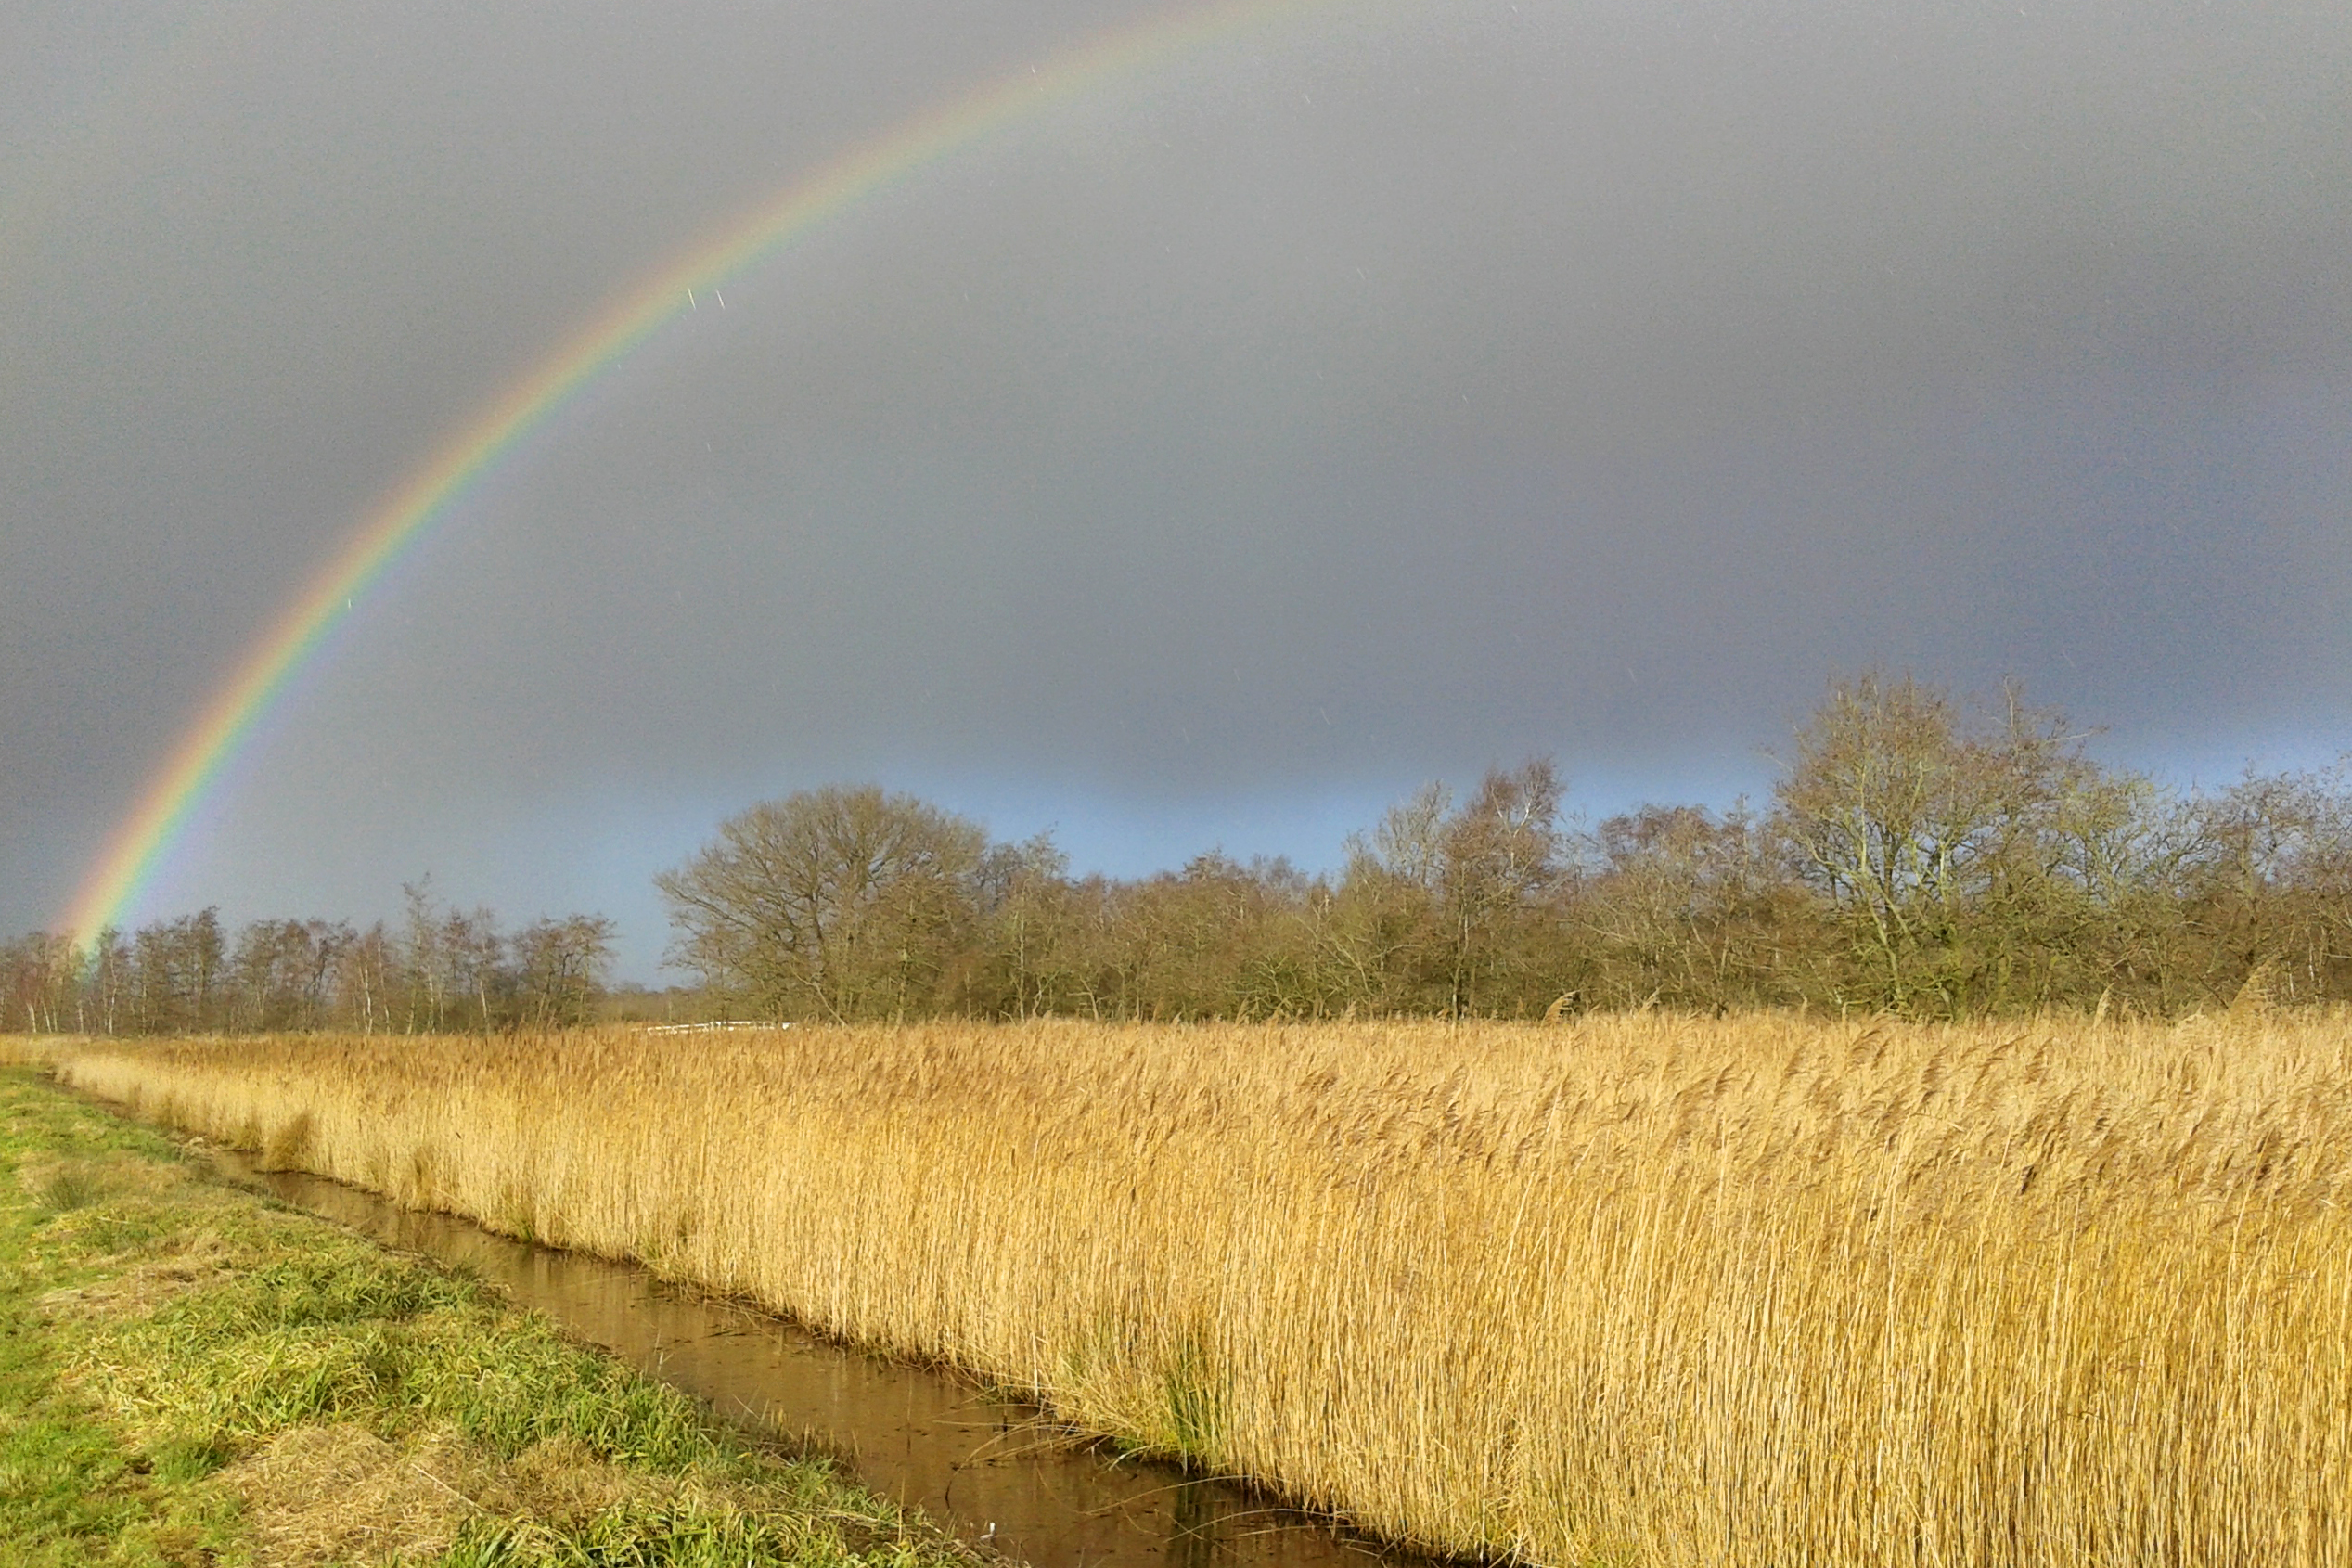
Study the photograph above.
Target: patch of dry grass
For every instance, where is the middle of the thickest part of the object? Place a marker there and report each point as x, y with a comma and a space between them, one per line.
340, 1493
1639, 1288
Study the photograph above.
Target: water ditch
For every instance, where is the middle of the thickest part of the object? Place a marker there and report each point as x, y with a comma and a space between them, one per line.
989, 1470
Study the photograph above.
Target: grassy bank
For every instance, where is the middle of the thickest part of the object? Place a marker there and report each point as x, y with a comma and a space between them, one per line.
191, 1375
1633, 1289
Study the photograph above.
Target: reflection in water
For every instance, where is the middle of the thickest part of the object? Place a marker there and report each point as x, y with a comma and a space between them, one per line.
988, 1469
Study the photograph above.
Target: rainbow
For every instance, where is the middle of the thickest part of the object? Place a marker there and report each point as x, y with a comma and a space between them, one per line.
137, 849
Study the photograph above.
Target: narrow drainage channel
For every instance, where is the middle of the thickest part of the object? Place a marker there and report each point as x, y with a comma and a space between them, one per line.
987, 1470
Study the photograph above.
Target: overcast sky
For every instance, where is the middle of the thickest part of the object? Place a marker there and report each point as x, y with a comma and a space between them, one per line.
1376, 393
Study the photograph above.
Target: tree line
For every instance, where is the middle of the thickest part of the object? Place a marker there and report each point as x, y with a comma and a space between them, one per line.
439, 968
1919, 855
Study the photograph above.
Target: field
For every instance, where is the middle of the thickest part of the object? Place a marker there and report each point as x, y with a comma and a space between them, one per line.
190, 1374
1633, 1289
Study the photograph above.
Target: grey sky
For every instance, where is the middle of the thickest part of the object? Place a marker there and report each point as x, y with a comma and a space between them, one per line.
1386, 391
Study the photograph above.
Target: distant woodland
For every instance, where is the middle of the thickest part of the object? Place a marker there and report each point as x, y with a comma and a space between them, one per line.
441, 970
1921, 855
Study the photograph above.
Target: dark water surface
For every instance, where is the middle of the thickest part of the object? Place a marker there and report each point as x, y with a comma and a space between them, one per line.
986, 1469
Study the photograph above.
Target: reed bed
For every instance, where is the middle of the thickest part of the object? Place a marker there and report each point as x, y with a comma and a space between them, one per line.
1635, 1290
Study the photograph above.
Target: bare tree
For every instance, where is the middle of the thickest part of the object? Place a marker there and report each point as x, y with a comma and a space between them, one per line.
282, 974
175, 971
1940, 837
451, 963
42, 974
472, 955
1377, 930
560, 967
1680, 906
1028, 925
1500, 854
364, 981
833, 903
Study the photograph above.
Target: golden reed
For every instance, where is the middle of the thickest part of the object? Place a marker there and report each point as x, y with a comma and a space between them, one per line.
1638, 1289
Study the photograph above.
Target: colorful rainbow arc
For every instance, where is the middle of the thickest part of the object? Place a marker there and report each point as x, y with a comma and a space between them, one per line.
136, 850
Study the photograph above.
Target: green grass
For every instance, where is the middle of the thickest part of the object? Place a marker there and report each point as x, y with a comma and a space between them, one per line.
191, 1374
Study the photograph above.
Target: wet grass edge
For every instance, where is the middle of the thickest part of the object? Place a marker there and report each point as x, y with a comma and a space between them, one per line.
174, 1347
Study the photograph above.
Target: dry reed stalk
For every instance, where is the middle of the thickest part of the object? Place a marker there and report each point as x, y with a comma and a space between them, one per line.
1637, 1288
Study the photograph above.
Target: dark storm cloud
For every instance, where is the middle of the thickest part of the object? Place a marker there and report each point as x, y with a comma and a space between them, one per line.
1402, 389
